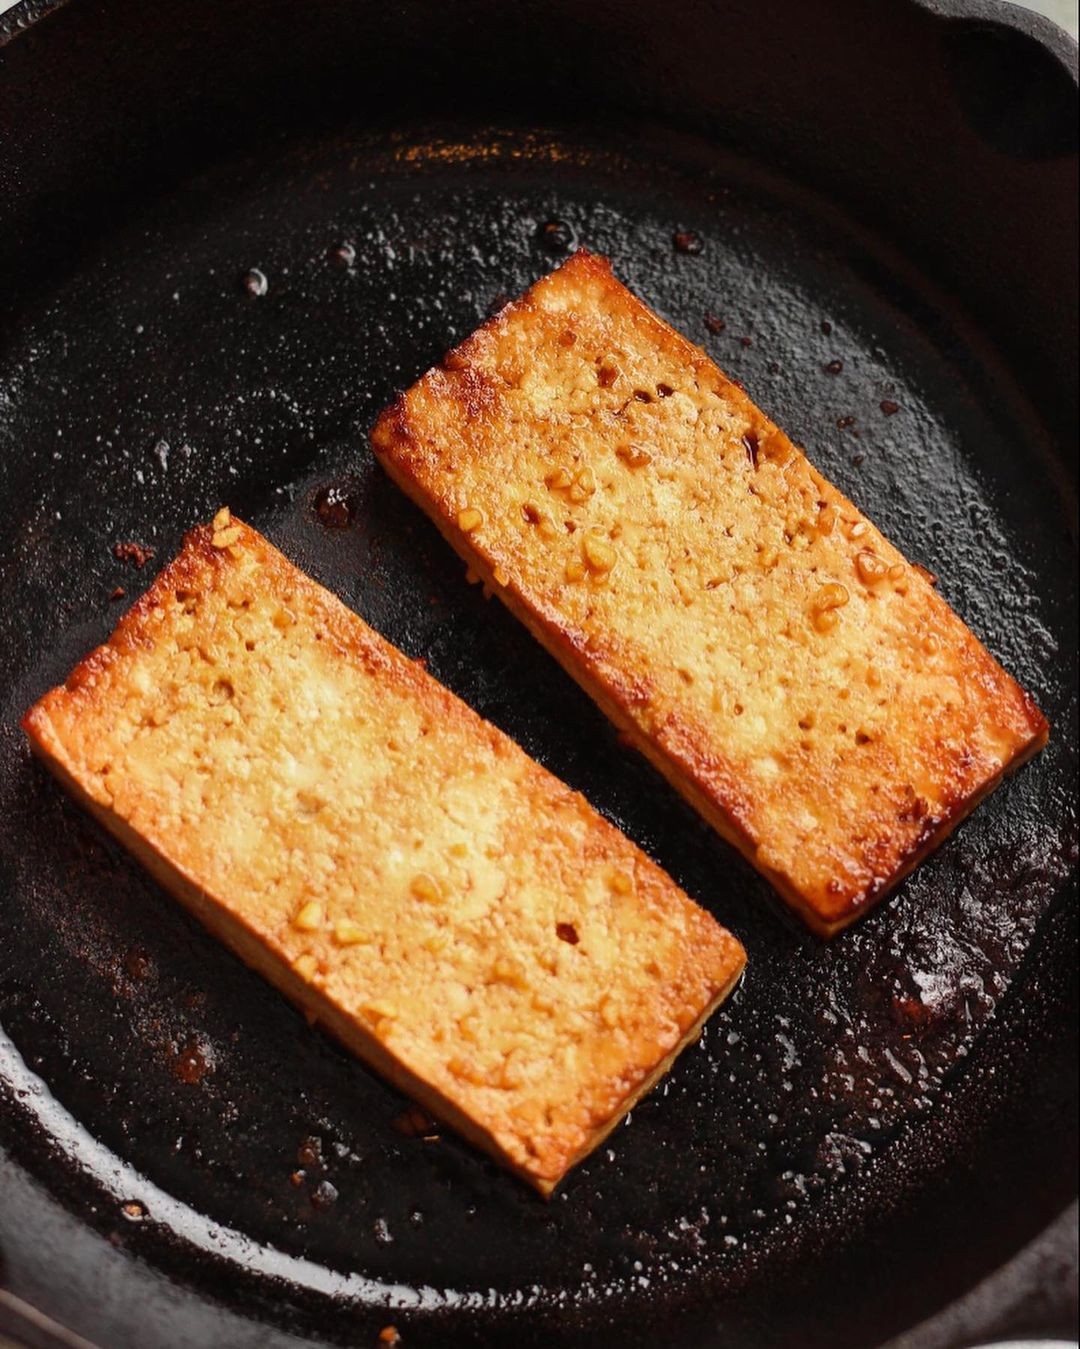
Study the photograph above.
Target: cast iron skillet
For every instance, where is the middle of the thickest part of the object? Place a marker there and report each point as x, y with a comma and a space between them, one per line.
884, 200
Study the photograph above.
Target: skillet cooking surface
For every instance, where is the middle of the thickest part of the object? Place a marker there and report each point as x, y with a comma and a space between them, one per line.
840, 1081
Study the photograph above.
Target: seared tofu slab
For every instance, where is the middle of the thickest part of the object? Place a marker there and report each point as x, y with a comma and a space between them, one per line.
749, 629
399, 868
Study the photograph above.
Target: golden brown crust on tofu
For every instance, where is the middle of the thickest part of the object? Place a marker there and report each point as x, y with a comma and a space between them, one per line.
801, 683
395, 865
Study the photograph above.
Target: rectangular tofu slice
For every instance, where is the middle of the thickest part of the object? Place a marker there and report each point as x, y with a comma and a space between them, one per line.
399, 868
790, 673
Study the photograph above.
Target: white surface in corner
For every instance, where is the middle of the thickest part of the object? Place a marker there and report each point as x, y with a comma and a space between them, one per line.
1063, 12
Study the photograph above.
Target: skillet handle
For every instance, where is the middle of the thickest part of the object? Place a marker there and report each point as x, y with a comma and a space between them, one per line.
1029, 1303
24, 1327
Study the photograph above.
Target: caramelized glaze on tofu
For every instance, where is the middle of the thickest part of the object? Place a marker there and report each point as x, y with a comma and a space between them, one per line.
788, 670
397, 866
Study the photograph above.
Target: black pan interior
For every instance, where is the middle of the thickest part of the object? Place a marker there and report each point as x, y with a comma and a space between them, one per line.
849, 1095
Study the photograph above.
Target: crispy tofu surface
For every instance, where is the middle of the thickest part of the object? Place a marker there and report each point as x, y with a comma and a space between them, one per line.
397, 866
788, 670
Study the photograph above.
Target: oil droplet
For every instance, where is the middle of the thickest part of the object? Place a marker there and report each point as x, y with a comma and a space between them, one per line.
255, 282
133, 1211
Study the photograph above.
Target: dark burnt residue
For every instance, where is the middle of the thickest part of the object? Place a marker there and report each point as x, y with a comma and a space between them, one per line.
686, 241
324, 1195
137, 554
557, 236
913, 809
415, 1122
310, 1151
193, 1060
335, 505
138, 966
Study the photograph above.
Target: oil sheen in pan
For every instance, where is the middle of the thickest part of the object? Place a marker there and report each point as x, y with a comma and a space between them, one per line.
158, 384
